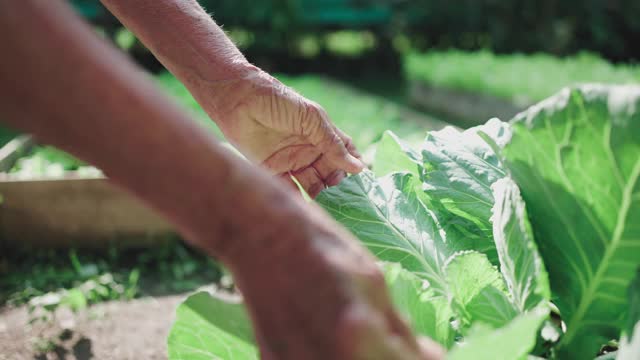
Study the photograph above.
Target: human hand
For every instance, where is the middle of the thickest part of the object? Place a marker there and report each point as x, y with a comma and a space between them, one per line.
288, 134
315, 293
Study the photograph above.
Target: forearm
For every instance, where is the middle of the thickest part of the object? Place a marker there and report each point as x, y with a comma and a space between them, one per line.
188, 42
69, 89
58, 81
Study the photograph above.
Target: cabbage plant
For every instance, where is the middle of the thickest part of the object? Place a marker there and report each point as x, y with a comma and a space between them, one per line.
509, 240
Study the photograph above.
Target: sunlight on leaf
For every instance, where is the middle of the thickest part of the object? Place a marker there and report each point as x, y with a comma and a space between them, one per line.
209, 328
576, 159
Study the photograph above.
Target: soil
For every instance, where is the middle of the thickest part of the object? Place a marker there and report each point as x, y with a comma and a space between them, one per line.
119, 330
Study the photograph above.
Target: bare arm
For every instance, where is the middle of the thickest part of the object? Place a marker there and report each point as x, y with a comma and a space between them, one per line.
185, 39
68, 88
58, 81
268, 122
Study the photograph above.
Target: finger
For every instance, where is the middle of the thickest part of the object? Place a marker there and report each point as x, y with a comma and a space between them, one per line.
328, 172
335, 178
310, 181
348, 142
335, 151
324, 136
292, 157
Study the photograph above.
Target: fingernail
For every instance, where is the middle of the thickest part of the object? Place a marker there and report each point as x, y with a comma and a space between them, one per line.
357, 163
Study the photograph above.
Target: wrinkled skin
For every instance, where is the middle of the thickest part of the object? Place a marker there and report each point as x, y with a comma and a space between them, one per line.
288, 134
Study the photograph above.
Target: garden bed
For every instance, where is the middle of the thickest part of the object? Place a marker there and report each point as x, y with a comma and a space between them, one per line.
71, 208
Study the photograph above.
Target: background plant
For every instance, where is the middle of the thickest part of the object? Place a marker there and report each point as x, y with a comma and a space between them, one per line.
521, 78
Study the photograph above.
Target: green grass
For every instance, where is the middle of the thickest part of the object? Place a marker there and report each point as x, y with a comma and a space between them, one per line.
363, 116
520, 78
167, 268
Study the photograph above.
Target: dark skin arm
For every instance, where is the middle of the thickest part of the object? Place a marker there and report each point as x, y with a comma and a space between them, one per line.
59, 82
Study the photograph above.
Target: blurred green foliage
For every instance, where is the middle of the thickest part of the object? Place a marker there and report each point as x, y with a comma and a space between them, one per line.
607, 27
42, 308
6, 134
76, 277
520, 78
50, 162
283, 15
363, 116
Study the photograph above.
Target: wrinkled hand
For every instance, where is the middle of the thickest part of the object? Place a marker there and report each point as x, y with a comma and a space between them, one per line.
288, 134
335, 305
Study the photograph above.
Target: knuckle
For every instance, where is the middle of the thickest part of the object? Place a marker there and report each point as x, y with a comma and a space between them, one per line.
330, 140
313, 104
318, 110
312, 109
323, 113
348, 141
335, 139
